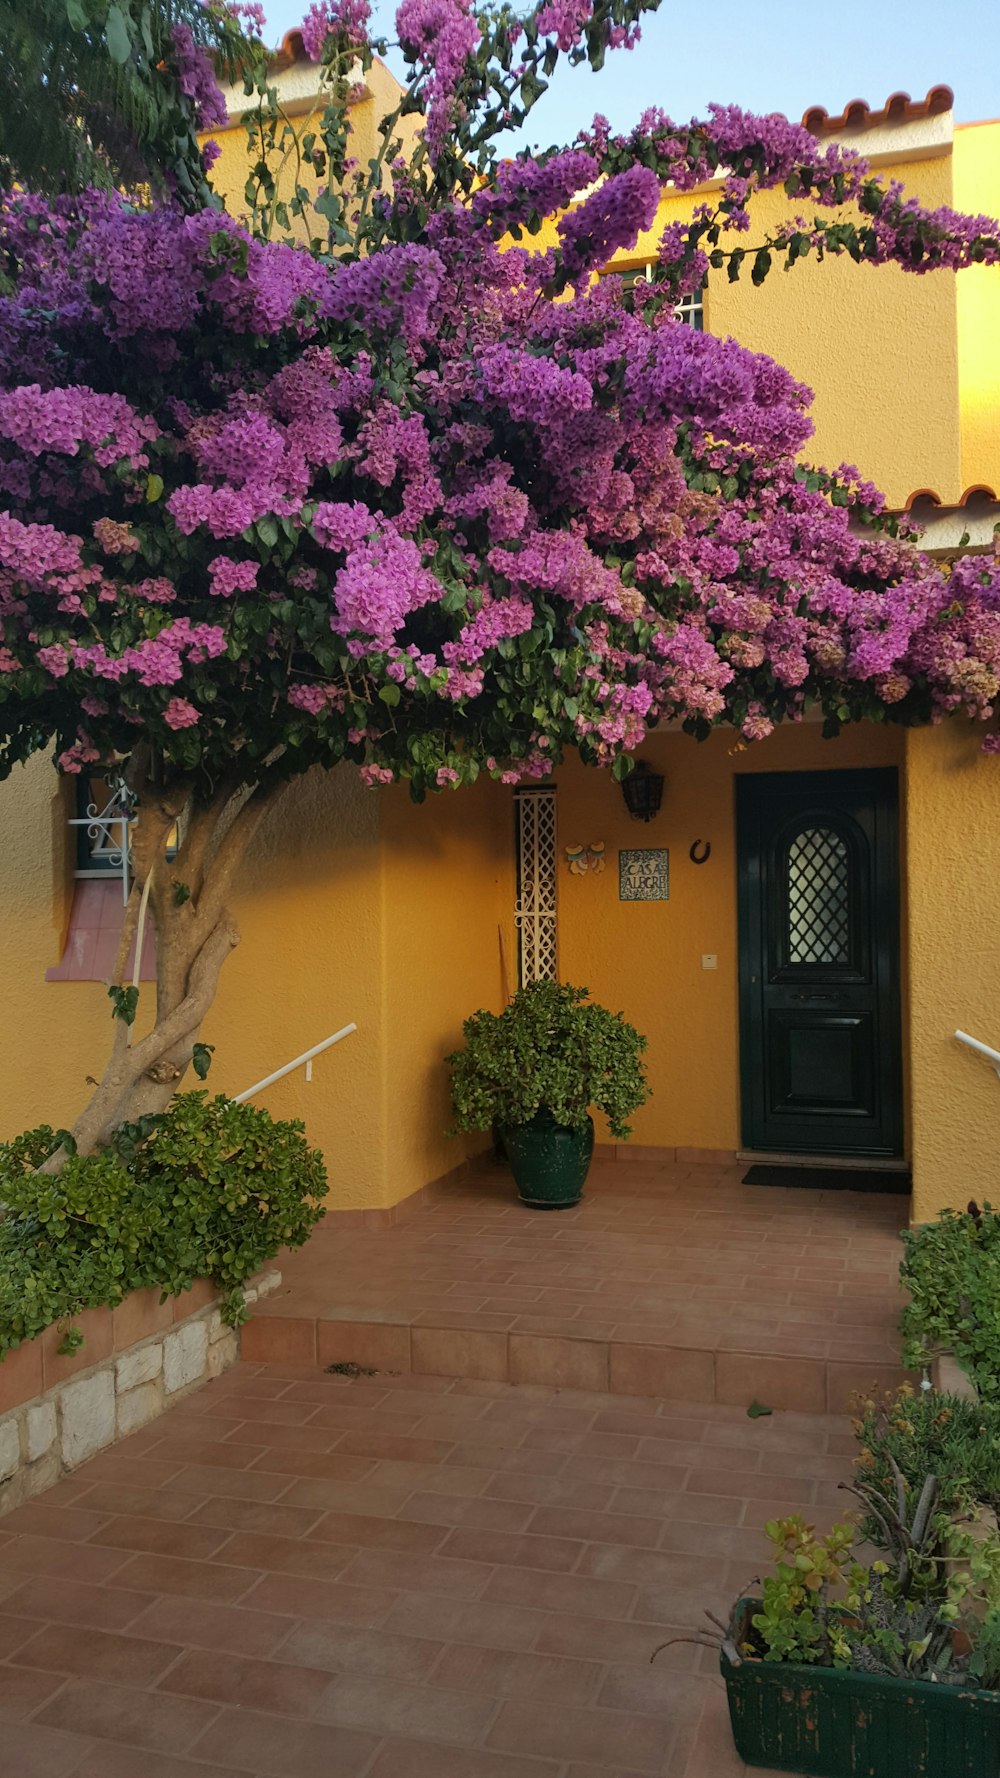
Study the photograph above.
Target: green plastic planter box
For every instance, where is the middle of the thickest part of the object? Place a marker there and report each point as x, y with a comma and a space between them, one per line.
834, 1724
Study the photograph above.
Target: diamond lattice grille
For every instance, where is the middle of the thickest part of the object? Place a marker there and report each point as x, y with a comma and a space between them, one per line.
535, 908
818, 898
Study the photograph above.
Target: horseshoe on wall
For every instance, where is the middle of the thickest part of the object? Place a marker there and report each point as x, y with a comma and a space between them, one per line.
702, 857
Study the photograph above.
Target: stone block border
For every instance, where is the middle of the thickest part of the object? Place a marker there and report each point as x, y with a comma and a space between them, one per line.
56, 1410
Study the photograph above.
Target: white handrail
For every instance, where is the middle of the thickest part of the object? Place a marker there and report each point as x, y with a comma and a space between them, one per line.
306, 1056
981, 1049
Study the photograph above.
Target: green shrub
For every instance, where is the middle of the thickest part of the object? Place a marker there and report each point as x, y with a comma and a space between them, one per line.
210, 1189
550, 1050
926, 1433
951, 1269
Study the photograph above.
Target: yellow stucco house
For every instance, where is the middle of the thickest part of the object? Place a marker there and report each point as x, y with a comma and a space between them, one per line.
799, 929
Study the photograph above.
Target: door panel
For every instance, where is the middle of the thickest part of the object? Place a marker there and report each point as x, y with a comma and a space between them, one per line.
819, 962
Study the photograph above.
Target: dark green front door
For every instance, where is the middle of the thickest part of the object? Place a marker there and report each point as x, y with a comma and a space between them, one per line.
820, 1063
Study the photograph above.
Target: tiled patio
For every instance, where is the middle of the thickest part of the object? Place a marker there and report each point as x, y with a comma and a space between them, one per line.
295, 1576
668, 1279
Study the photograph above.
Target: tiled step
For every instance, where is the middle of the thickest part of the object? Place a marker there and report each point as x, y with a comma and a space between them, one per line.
730, 1376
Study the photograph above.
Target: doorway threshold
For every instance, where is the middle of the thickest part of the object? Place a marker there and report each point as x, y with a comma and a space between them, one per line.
841, 1162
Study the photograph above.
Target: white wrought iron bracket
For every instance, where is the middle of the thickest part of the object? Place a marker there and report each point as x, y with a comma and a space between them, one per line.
100, 825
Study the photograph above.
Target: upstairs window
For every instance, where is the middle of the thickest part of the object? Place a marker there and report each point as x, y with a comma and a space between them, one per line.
690, 309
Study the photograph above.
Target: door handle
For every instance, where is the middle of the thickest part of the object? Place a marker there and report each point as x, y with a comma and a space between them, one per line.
828, 999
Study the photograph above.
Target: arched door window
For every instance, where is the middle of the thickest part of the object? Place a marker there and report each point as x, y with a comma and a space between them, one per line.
818, 897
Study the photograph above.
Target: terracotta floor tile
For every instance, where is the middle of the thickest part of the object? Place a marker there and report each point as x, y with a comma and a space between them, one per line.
366, 1500
567, 1548
283, 1555
451, 1477
442, 1510
198, 1482
199, 1624
551, 1490
656, 1689
612, 1640
487, 1625
224, 1678
416, 1573
639, 1743
329, 1466
338, 1648
109, 1761
100, 1654
74, 1523
50, 1555
556, 1554
296, 1596
127, 1762
195, 1580
187, 1451
22, 1691
419, 1759
308, 1440
32, 1752
388, 1707
561, 1592
273, 1748
117, 1713
263, 1516
394, 1448
160, 1537
367, 1531
504, 1674
75, 1602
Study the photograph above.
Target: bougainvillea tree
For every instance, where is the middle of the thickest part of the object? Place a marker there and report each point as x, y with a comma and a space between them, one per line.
423, 496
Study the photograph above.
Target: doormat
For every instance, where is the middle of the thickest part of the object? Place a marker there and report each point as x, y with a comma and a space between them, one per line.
831, 1179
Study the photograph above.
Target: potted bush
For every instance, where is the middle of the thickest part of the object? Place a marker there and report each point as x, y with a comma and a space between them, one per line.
951, 1269
890, 1667
534, 1071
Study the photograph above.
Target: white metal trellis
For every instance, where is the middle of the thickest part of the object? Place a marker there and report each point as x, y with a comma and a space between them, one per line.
535, 907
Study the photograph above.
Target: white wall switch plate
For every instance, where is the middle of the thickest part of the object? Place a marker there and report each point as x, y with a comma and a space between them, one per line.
709, 960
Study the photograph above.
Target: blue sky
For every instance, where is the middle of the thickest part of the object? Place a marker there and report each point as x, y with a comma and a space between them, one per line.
780, 55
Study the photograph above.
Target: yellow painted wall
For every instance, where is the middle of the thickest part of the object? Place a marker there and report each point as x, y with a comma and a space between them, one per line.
445, 895
977, 190
644, 958
878, 346
229, 173
46, 1028
953, 848
355, 906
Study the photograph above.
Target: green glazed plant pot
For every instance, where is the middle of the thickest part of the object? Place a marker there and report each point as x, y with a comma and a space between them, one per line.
835, 1724
550, 1161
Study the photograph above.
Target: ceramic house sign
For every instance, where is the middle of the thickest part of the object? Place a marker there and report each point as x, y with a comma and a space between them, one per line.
644, 874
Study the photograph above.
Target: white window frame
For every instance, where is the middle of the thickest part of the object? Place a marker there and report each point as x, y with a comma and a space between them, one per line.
690, 309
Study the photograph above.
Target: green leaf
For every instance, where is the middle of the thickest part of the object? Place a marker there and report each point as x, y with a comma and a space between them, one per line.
182, 893
118, 35
761, 266
390, 694
756, 1412
126, 1000
201, 1059
77, 14
154, 488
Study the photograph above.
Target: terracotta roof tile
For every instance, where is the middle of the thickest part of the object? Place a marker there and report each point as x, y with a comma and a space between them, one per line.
898, 108
978, 490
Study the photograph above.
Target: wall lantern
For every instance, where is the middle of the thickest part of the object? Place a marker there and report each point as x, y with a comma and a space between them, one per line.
643, 791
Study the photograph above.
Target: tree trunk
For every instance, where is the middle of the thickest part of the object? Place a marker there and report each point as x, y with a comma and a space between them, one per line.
195, 933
